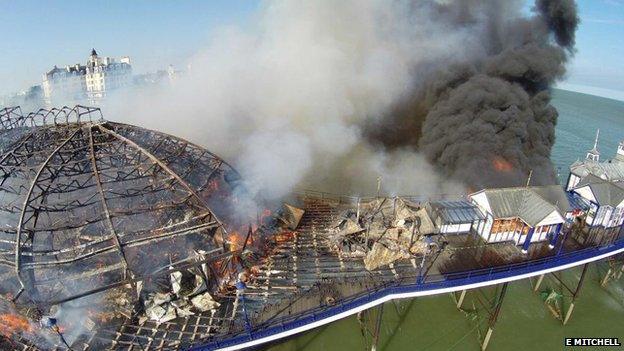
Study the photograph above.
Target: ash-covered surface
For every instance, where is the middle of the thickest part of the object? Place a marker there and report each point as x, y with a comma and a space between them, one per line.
382, 231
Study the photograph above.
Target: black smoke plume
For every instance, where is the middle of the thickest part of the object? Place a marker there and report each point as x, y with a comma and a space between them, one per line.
488, 121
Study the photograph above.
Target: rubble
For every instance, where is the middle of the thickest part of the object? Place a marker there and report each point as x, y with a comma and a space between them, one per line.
185, 283
188, 293
117, 303
161, 313
382, 231
380, 255
204, 302
290, 216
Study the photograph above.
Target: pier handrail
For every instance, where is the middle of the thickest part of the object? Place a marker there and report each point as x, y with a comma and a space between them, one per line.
351, 199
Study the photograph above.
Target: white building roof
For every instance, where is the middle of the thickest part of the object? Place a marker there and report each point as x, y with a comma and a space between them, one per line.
604, 192
531, 204
609, 170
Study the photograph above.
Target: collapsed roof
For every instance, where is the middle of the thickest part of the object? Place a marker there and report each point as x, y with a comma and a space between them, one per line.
382, 231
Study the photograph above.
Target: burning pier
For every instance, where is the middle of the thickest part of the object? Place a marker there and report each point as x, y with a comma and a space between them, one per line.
120, 238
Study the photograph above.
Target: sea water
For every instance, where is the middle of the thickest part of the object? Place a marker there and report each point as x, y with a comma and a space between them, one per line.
525, 322
580, 115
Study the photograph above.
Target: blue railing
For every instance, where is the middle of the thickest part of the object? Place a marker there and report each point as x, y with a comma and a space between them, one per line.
409, 285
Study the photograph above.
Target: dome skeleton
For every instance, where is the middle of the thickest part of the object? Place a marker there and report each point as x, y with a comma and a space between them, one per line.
148, 187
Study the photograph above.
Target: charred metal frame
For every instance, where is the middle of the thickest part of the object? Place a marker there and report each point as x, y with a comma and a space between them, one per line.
74, 187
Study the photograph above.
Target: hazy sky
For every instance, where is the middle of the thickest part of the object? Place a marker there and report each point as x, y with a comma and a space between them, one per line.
597, 67
39, 34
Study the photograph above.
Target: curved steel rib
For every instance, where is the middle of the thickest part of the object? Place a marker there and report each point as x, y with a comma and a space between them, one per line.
98, 183
154, 159
20, 224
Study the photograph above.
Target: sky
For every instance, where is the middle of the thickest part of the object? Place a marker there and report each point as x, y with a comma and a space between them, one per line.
39, 35
597, 67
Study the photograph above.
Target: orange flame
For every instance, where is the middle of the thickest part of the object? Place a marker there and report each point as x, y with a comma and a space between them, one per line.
12, 323
501, 165
236, 241
283, 237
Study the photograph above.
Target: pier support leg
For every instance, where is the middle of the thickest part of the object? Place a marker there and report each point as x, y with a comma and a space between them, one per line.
461, 299
377, 328
575, 294
612, 273
539, 282
559, 310
360, 319
486, 340
494, 317
370, 333
607, 277
569, 313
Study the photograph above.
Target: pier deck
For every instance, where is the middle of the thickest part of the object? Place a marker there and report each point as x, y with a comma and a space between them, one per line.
330, 287
304, 283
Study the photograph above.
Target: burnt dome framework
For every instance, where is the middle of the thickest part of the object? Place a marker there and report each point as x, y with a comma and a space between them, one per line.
87, 205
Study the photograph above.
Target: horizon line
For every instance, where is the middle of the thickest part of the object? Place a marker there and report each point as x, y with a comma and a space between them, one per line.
606, 93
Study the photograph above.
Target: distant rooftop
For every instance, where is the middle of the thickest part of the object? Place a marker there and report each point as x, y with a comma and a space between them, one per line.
609, 170
606, 192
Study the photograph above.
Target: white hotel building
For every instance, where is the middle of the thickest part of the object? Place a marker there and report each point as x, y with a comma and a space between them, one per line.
91, 82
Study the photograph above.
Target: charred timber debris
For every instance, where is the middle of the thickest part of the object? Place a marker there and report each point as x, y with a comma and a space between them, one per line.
118, 237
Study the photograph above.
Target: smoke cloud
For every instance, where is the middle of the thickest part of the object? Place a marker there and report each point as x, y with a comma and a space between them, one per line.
489, 122
428, 95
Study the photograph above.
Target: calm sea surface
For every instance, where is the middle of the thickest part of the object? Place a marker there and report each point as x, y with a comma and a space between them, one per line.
579, 117
525, 323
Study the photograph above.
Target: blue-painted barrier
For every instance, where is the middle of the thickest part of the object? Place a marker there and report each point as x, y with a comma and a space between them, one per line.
433, 282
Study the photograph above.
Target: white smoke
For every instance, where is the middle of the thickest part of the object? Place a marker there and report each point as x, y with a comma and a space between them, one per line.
286, 98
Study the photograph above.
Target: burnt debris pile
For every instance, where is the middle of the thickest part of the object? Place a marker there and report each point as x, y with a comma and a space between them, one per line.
382, 230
